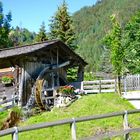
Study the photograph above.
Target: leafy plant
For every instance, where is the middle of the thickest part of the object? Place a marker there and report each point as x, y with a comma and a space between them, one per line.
7, 79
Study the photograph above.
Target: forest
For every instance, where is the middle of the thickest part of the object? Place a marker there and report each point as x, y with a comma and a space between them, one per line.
88, 32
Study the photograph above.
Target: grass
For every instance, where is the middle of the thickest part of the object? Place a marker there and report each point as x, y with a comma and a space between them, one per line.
87, 105
3, 115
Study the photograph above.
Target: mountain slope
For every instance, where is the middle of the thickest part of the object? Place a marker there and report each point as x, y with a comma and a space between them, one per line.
93, 22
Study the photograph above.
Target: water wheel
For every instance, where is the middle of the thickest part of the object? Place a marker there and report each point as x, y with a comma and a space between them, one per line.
45, 86
41, 95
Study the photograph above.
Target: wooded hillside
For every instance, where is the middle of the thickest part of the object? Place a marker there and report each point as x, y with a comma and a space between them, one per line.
93, 22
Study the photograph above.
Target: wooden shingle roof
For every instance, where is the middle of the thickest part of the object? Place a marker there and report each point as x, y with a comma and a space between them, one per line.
11, 53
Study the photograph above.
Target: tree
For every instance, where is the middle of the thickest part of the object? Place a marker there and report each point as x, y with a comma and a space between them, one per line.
114, 41
61, 26
21, 36
41, 36
4, 28
132, 44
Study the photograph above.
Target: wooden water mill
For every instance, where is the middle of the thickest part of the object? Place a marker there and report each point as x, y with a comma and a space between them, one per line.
40, 69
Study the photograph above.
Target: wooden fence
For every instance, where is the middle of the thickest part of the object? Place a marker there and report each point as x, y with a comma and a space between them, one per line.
131, 82
7, 104
16, 130
99, 86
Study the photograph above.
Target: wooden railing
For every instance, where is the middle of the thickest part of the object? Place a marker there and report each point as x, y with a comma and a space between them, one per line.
99, 86
16, 130
10, 102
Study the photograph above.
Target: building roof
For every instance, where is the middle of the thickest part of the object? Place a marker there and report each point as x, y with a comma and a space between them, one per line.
15, 52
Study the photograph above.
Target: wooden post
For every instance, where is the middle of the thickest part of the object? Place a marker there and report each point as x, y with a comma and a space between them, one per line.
100, 86
115, 85
125, 125
15, 135
82, 85
21, 87
73, 129
57, 67
80, 74
125, 88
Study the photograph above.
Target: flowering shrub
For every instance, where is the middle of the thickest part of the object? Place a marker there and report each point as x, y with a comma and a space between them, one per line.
7, 79
68, 89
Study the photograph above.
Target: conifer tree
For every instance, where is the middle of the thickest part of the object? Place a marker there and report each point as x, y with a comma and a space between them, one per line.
61, 26
41, 36
4, 28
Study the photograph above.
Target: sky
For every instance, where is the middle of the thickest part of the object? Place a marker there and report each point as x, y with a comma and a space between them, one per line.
31, 13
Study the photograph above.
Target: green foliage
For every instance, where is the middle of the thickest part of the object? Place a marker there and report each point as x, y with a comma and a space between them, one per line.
113, 40
72, 74
132, 44
18, 110
88, 76
7, 79
4, 28
21, 36
91, 25
41, 36
3, 116
61, 26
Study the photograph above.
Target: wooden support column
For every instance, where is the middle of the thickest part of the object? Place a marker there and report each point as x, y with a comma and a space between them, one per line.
80, 74
21, 86
57, 67
52, 73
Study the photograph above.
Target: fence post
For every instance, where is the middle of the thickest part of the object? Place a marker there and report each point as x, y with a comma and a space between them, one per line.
115, 85
99, 86
125, 87
73, 129
15, 134
126, 125
82, 85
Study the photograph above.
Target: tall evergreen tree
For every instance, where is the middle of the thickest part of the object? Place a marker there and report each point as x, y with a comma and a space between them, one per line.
4, 28
61, 26
41, 36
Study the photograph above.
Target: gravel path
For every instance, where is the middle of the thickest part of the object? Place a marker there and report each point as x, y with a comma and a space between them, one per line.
133, 98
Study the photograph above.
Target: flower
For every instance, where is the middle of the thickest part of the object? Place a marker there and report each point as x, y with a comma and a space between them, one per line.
68, 89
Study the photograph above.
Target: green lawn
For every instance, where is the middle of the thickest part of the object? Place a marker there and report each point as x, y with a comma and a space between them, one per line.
3, 115
87, 105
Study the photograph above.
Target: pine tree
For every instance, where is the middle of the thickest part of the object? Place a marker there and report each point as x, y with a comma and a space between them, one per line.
4, 28
41, 36
61, 26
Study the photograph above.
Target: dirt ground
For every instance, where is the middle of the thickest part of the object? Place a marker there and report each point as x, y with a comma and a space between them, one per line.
6, 91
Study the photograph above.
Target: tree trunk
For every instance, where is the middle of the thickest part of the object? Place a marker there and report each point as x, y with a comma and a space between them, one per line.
119, 85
